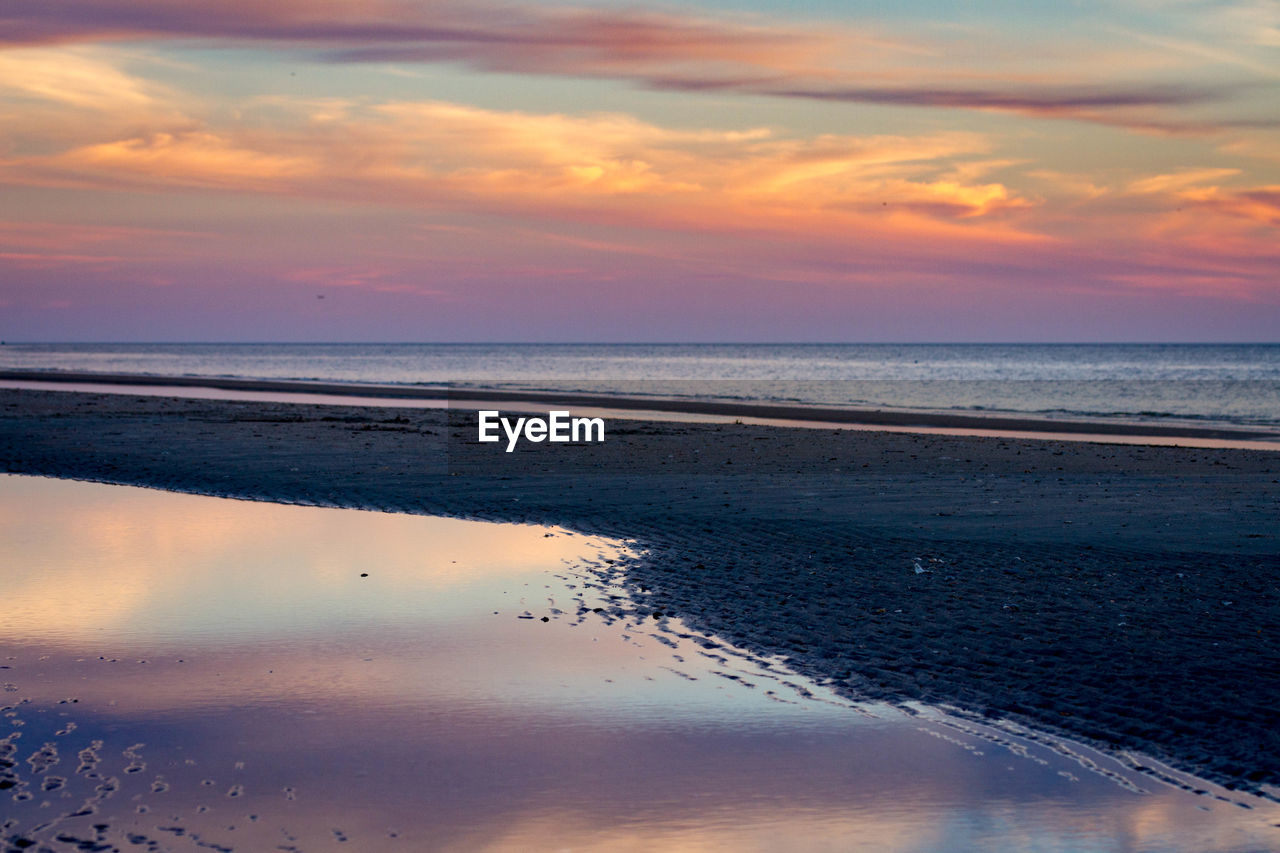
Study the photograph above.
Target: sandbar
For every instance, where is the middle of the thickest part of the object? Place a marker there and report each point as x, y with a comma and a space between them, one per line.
1125, 595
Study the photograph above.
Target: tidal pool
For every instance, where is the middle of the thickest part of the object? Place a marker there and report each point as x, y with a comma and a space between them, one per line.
192, 673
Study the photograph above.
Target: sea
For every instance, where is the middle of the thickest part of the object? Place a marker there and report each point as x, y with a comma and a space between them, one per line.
1234, 385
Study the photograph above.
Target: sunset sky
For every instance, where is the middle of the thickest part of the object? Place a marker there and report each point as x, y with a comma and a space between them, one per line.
413, 170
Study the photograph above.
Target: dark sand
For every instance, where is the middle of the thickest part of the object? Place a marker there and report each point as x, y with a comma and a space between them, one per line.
1128, 595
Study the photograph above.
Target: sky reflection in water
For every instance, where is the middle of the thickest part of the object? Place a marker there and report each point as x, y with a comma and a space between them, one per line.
191, 671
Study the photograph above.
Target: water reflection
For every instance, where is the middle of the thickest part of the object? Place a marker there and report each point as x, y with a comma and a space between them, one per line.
184, 672
163, 566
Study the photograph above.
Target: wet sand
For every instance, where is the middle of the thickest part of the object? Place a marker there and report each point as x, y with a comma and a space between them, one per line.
240, 681
644, 406
1127, 595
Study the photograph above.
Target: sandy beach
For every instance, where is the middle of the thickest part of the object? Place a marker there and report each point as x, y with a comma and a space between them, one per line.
1122, 594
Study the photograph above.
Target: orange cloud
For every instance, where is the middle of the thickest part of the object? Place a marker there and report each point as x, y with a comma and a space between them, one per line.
193, 158
610, 167
1178, 180
776, 205
73, 77
1258, 204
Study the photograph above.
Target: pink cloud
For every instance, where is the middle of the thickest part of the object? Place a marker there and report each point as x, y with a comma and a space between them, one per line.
664, 51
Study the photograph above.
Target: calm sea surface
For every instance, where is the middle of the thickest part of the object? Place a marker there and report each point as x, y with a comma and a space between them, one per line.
1237, 384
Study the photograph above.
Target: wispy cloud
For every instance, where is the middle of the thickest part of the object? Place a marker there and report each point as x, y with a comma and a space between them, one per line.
959, 198
662, 51
53, 244
1257, 204
1178, 180
499, 35
73, 78
446, 155
1131, 107
948, 189
376, 279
